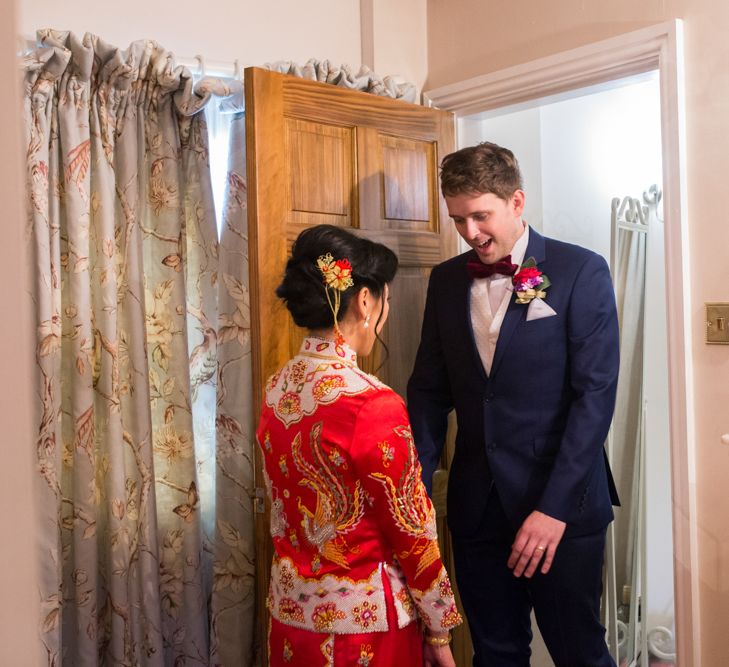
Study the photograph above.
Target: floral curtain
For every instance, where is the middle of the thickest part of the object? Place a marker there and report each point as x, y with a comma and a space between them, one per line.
143, 424
233, 599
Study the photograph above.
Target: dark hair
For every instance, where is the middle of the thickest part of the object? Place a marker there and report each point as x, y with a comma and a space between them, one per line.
302, 288
479, 170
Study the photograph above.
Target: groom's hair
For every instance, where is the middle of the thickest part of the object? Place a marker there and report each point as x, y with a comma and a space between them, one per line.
479, 170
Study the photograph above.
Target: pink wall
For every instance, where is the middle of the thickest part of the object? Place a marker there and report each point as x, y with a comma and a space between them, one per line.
471, 37
18, 589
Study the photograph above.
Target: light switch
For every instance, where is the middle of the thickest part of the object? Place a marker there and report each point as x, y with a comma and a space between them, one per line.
717, 323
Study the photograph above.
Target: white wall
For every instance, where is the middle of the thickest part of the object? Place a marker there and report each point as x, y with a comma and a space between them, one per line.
253, 33
520, 132
595, 148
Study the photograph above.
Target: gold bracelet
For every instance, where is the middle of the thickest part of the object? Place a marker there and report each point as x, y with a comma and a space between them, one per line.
438, 641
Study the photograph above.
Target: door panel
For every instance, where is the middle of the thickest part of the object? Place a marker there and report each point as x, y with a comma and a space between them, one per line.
407, 169
321, 173
321, 154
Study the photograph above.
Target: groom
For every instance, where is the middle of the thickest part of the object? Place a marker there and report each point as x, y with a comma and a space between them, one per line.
520, 336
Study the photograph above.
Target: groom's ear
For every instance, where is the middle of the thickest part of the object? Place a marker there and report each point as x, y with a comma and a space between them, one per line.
517, 202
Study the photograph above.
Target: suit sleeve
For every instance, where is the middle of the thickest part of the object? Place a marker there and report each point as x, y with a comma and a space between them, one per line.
594, 350
386, 463
429, 392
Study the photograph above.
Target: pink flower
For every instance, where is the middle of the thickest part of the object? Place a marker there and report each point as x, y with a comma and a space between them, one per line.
528, 278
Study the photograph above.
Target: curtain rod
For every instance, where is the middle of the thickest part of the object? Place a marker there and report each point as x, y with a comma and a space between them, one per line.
197, 64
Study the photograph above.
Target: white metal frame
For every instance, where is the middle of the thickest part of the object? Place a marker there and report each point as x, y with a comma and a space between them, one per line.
658, 47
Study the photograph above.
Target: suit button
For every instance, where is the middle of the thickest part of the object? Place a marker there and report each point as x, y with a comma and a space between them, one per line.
489, 398
491, 447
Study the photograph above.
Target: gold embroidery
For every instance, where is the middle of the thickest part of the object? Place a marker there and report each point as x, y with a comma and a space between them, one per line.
325, 615
282, 464
289, 404
327, 650
436, 605
388, 453
406, 601
314, 376
450, 617
289, 610
338, 509
278, 516
327, 603
409, 506
326, 384
365, 655
337, 459
365, 614
288, 652
298, 371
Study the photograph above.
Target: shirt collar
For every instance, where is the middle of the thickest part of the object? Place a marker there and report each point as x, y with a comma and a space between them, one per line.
519, 249
313, 346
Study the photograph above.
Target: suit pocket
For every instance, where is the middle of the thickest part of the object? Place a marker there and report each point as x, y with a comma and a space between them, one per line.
547, 446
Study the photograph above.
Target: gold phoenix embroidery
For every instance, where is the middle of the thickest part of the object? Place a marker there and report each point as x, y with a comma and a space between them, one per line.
408, 505
338, 508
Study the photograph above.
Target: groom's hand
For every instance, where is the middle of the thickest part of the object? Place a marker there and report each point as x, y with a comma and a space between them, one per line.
537, 540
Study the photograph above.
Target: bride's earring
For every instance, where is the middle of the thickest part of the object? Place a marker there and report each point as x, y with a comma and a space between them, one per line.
366, 322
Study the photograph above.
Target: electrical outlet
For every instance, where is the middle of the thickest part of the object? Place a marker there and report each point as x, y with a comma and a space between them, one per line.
717, 323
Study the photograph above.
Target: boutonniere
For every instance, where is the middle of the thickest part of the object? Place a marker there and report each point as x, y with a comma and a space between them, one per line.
529, 282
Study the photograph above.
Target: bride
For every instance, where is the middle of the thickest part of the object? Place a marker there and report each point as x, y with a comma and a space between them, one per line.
356, 578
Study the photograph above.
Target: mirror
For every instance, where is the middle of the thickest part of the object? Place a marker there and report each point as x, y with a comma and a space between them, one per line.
639, 585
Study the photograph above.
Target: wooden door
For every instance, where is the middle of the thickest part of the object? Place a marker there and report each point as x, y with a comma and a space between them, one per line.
321, 154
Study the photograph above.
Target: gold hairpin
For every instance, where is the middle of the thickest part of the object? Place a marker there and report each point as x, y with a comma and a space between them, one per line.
337, 278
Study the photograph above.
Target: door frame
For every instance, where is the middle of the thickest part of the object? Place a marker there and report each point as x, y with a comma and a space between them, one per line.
658, 47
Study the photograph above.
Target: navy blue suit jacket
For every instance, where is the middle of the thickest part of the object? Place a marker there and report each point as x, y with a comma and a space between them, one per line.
535, 427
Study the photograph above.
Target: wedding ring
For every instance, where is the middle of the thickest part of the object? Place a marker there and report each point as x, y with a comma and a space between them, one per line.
540, 548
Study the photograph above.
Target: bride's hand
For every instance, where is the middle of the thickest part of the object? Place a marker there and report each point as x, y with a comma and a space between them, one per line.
437, 656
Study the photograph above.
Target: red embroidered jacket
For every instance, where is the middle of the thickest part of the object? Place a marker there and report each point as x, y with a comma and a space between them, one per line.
350, 518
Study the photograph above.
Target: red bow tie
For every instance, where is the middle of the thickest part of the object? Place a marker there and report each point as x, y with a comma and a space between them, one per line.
477, 269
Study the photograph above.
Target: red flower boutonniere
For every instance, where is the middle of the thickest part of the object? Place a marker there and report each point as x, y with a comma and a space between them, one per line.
529, 282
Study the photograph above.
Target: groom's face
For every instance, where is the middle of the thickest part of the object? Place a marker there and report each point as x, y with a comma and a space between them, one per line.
489, 224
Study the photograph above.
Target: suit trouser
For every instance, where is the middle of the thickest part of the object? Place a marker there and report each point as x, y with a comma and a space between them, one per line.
566, 601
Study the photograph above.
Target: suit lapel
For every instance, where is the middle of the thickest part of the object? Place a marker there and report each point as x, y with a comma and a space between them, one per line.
516, 312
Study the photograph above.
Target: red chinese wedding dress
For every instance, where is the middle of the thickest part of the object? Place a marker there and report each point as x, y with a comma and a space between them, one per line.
356, 562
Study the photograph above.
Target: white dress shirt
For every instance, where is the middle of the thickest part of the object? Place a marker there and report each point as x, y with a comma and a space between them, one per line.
489, 300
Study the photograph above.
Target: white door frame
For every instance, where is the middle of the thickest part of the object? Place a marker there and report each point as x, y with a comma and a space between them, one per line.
656, 47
